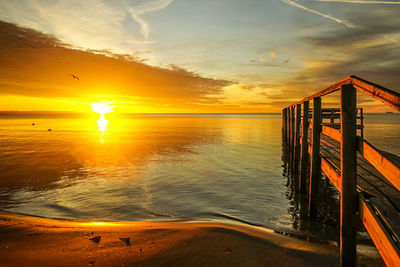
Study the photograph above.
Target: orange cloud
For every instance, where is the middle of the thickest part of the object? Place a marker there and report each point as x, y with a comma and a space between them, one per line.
38, 65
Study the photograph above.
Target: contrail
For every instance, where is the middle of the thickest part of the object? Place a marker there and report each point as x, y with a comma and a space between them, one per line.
137, 12
291, 3
362, 2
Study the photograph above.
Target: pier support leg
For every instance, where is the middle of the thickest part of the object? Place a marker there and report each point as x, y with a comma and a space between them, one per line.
292, 136
284, 114
289, 148
348, 166
297, 142
304, 149
315, 175
285, 136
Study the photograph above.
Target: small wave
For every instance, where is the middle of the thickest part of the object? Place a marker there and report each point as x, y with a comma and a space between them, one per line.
228, 217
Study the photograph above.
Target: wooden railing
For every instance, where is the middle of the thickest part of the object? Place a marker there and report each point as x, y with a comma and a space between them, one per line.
295, 130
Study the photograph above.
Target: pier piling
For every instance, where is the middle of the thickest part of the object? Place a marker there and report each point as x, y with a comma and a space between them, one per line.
297, 140
315, 164
304, 149
348, 162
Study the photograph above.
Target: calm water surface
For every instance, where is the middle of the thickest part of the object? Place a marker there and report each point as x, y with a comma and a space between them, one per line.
155, 167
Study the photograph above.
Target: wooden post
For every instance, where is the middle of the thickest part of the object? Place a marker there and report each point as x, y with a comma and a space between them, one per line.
284, 114
287, 125
292, 128
348, 167
288, 137
297, 140
315, 175
304, 149
362, 122
284, 135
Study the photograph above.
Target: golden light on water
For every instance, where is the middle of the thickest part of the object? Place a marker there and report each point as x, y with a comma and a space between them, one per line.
102, 123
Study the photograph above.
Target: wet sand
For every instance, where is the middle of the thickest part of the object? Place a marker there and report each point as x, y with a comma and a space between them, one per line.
33, 241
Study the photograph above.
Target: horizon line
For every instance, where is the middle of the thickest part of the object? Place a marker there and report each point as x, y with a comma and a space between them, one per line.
48, 112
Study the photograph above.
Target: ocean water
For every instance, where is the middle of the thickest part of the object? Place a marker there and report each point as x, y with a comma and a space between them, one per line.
155, 167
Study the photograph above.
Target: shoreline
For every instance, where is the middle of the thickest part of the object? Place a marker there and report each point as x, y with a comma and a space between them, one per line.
41, 241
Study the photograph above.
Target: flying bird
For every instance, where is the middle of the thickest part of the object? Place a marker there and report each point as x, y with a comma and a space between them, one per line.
75, 77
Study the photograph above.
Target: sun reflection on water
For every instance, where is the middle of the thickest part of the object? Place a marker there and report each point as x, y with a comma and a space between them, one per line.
102, 123
102, 108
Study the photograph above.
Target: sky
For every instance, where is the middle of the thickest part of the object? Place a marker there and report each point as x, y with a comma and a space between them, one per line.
192, 56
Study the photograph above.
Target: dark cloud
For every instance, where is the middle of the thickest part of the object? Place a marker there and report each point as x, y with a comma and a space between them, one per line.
371, 51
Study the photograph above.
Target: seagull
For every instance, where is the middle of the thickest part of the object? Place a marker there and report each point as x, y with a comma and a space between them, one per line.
75, 77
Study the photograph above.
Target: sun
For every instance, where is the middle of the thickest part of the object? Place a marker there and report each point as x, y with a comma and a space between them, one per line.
101, 107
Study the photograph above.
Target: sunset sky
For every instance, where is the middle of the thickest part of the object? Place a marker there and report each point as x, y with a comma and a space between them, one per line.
191, 56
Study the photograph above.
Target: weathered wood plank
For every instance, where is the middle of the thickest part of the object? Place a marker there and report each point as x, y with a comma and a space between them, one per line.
315, 165
389, 215
385, 95
389, 170
369, 180
328, 90
363, 184
332, 133
331, 173
392, 157
348, 169
381, 238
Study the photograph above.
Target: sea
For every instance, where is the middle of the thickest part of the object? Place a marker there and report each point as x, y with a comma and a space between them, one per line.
156, 166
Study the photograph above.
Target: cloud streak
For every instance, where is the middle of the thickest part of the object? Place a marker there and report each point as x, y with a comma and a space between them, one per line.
362, 2
120, 26
138, 12
341, 21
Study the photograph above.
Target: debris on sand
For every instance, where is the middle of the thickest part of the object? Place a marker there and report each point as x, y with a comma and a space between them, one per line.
126, 240
95, 239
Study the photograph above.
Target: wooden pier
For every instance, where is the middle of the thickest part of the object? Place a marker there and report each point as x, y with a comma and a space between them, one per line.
368, 179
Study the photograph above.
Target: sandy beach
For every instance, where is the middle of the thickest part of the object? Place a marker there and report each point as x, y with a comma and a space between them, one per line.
34, 241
